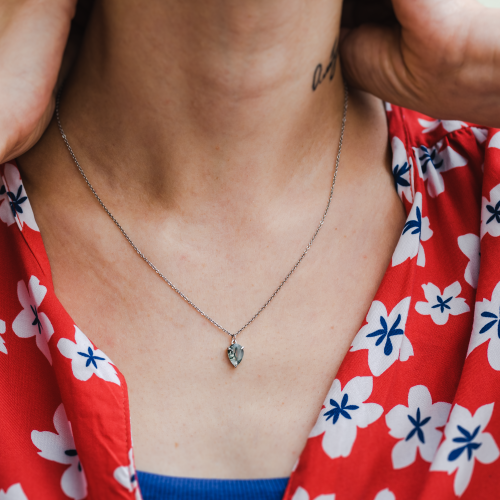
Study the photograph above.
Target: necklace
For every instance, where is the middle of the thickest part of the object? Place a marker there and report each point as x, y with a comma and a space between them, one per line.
235, 351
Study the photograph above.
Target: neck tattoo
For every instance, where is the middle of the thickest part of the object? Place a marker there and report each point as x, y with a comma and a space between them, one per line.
319, 75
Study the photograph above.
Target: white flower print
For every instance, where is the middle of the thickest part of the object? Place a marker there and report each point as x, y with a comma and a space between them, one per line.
466, 442
495, 141
127, 477
14, 204
301, 494
416, 230
401, 169
416, 426
345, 411
448, 125
385, 494
441, 305
30, 322
490, 213
384, 336
432, 162
60, 447
487, 327
481, 134
15, 492
470, 246
86, 360
2, 341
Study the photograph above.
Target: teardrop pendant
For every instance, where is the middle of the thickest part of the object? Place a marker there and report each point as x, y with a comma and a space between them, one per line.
235, 353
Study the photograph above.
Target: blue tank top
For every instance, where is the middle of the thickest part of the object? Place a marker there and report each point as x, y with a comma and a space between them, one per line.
158, 487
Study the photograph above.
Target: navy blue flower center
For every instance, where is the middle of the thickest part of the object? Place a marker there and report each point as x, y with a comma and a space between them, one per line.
430, 157
92, 358
73, 453
468, 439
36, 321
443, 304
417, 427
494, 320
415, 226
340, 410
495, 211
398, 173
385, 333
15, 200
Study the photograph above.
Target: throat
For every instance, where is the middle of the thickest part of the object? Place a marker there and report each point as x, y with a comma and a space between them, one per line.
217, 99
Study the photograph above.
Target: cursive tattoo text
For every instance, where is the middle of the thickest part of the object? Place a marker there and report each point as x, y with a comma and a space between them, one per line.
319, 75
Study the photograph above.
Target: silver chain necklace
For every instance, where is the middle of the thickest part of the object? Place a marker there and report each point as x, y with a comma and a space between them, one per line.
234, 351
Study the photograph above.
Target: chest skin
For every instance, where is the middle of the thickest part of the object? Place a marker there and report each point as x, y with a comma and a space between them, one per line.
193, 414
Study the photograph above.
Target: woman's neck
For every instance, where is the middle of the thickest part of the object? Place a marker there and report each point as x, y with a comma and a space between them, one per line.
216, 90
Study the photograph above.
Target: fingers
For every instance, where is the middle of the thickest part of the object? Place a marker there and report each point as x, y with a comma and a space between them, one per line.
447, 70
372, 61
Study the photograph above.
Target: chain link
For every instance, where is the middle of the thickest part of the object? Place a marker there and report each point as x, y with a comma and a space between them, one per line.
159, 273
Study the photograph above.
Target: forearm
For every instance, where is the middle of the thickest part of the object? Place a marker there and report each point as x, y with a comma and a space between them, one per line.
468, 76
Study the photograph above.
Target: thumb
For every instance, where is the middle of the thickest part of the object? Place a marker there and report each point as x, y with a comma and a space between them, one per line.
372, 61
21, 138
32, 42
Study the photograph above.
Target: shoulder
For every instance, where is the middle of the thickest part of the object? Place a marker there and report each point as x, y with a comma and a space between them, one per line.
422, 129
450, 170
446, 159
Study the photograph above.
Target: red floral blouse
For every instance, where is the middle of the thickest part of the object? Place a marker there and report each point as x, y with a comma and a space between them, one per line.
414, 412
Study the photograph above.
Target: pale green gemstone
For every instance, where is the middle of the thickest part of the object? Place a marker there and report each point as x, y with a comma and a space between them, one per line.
235, 354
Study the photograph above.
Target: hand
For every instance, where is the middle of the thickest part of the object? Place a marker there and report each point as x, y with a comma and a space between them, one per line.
33, 35
444, 59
